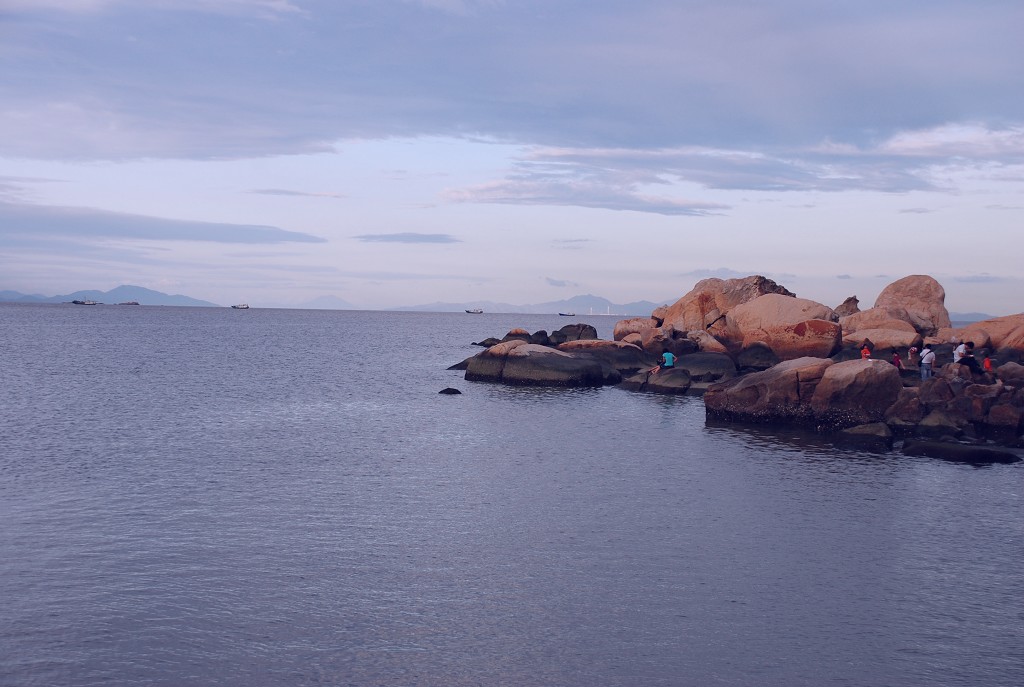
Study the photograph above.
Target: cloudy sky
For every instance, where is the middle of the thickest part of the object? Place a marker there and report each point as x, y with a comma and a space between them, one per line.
398, 152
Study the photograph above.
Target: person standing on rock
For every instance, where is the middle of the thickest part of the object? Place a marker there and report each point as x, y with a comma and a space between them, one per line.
927, 361
896, 360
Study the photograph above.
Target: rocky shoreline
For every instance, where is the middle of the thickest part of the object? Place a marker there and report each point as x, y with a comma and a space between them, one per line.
760, 354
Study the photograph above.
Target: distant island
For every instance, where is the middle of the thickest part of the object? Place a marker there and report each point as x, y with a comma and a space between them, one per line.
580, 306
121, 294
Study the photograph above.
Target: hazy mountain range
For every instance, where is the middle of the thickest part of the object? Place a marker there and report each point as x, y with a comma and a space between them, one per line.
578, 305
120, 294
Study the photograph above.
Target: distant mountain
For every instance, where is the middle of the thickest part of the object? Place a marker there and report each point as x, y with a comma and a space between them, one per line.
579, 305
16, 297
120, 294
968, 317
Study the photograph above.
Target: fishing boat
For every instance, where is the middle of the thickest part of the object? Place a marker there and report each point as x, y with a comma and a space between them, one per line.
241, 306
567, 314
475, 311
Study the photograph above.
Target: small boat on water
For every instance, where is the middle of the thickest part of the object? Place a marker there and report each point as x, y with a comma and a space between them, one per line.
475, 311
240, 306
567, 314
86, 302
129, 303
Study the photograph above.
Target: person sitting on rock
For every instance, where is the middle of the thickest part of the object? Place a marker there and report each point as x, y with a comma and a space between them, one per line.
962, 350
896, 360
865, 352
668, 361
969, 361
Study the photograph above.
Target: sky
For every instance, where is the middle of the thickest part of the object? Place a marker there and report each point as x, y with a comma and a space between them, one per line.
401, 152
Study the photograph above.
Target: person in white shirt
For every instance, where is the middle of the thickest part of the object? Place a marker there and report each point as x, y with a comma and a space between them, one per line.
962, 351
927, 361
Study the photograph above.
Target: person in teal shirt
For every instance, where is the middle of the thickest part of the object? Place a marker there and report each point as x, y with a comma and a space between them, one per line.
668, 361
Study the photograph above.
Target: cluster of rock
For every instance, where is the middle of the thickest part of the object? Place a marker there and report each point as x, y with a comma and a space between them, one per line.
760, 353
871, 398
571, 356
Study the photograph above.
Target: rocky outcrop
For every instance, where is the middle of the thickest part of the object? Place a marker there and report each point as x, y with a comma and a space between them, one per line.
620, 356
917, 300
633, 325
958, 453
573, 332
855, 392
711, 299
670, 382
791, 327
1004, 336
521, 363
706, 343
831, 396
848, 307
780, 394
922, 297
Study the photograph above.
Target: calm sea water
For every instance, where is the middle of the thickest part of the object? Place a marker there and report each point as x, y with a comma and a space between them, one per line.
281, 497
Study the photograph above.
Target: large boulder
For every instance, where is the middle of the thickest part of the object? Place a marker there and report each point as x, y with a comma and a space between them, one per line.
855, 392
923, 299
877, 318
573, 332
1011, 373
705, 342
711, 299
520, 363
906, 411
778, 394
791, 327
633, 325
916, 302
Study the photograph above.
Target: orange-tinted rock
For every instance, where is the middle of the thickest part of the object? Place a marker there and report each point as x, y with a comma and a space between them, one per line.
877, 318
1000, 332
706, 342
633, 325
922, 297
711, 298
848, 307
791, 327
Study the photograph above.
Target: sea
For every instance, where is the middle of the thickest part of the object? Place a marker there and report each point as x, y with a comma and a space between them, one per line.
208, 496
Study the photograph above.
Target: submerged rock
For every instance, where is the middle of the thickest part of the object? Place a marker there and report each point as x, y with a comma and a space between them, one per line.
960, 453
